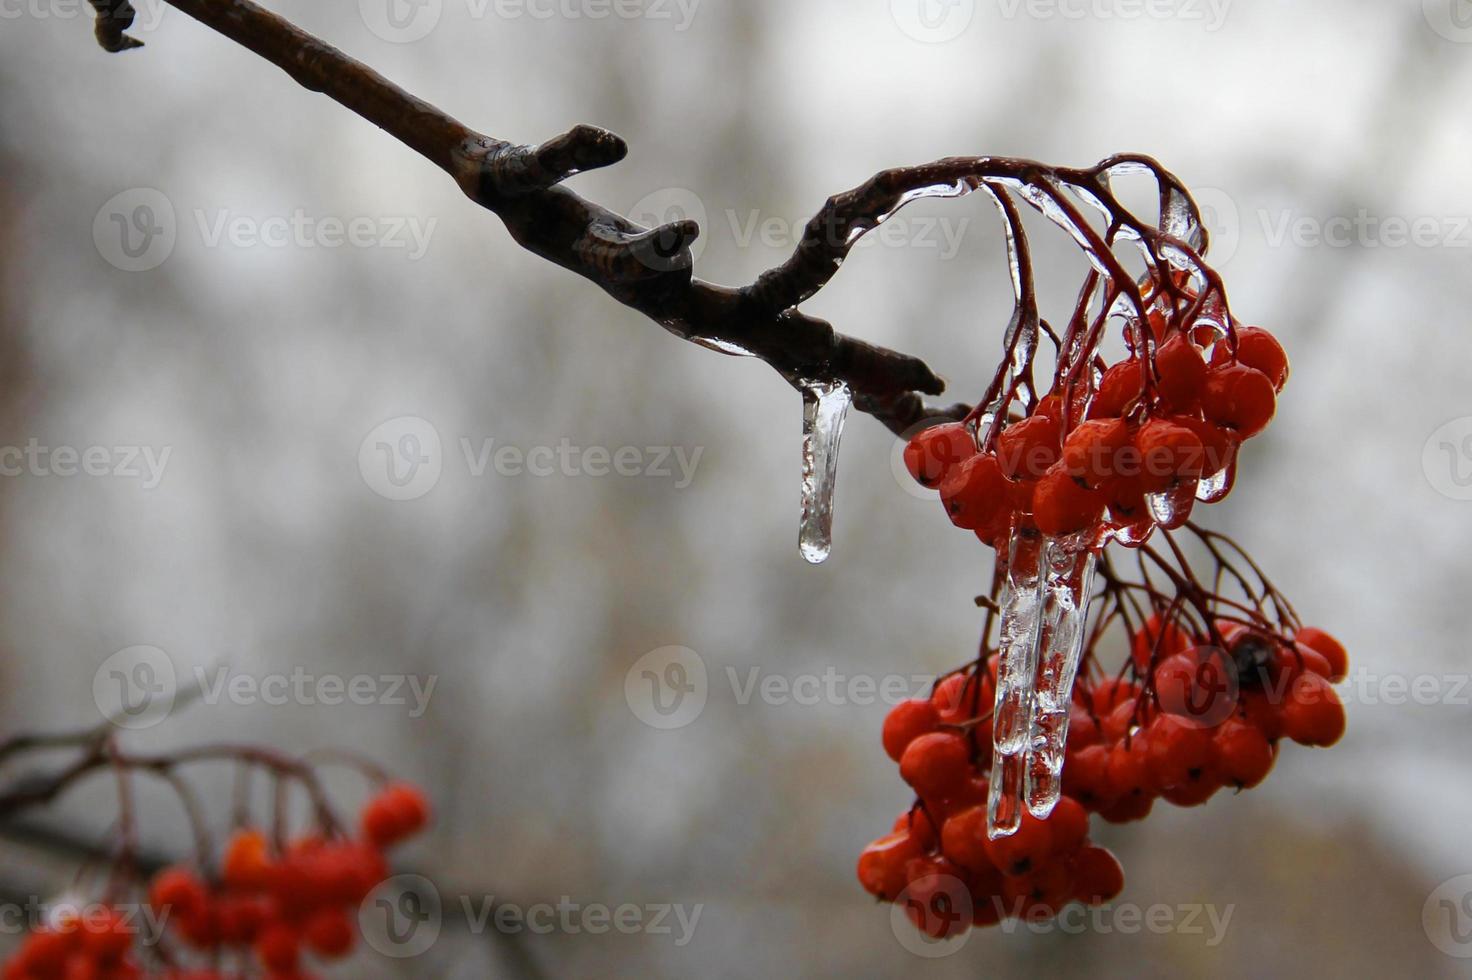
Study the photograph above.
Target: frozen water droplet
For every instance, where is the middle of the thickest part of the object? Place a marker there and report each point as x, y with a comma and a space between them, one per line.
1016, 682
1172, 508
1067, 588
1210, 489
825, 409
1216, 487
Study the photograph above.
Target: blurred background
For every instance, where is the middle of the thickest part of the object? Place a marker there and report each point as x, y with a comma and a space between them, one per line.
240, 302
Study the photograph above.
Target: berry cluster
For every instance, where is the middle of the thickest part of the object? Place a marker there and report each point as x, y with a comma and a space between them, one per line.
1187, 721
97, 943
1201, 717
278, 903
1132, 450
939, 862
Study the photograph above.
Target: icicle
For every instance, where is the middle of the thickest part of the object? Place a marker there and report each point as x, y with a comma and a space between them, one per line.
825, 408
1067, 587
1016, 676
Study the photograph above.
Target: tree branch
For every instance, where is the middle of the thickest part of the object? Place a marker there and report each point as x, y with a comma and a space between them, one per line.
646, 269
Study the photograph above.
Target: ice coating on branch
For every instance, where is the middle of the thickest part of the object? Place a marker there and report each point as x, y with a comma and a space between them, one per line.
1012, 717
1178, 218
1046, 201
722, 346
1067, 587
959, 188
825, 409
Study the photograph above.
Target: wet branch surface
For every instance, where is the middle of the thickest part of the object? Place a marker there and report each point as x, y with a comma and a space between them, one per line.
649, 270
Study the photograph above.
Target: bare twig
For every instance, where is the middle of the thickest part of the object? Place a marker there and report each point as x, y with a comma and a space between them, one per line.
646, 269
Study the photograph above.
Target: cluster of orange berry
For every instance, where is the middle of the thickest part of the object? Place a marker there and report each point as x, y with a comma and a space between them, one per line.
1155, 435
1199, 718
939, 863
1204, 718
277, 903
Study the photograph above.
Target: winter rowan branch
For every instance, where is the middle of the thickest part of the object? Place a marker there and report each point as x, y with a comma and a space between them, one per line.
649, 270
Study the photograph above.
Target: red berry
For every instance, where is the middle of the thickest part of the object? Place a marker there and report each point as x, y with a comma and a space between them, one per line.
247, 862
1169, 454
106, 936
1329, 648
932, 454
1068, 825
397, 812
1119, 389
1218, 446
906, 722
1128, 508
240, 918
1108, 694
1313, 713
1153, 644
963, 839
1290, 661
1239, 398
1245, 754
987, 905
329, 934
278, 947
1198, 790
936, 764
882, 865
1091, 453
1263, 713
1038, 895
1128, 773
1178, 753
976, 492
1199, 687
1098, 876
917, 823
1258, 349
1061, 505
1182, 372
1083, 731
958, 698
178, 891
1027, 448
1086, 777
937, 900
1026, 850
1124, 718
